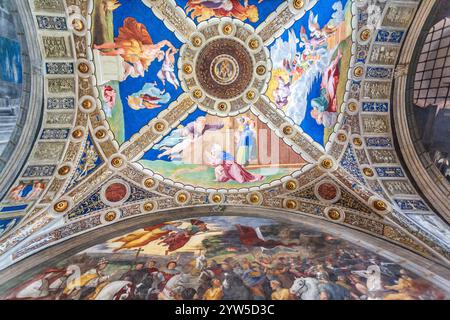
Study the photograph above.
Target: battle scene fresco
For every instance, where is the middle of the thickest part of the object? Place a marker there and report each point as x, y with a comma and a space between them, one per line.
225, 258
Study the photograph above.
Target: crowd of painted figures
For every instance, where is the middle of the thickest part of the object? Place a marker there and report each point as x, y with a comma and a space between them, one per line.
346, 274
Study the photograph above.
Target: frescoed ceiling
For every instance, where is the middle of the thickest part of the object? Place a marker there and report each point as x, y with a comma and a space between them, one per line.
152, 107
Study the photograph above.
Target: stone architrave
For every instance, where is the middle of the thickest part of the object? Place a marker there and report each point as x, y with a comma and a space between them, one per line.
108, 68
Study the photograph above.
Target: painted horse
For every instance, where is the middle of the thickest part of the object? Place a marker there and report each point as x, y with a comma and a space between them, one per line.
305, 288
116, 290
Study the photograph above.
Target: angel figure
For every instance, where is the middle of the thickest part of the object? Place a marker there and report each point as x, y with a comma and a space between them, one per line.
282, 92
167, 70
109, 96
89, 160
181, 138
150, 97
135, 45
325, 107
205, 9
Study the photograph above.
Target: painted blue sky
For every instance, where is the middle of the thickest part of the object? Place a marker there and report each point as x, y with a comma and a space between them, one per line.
7, 224
324, 11
136, 119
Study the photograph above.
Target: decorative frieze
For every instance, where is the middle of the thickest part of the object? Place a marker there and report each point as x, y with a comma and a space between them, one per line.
378, 156
39, 171
61, 85
376, 90
59, 68
60, 103
412, 205
55, 134
48, 151
379, 73
59, 118
51, 23
397, 187
380, 142
390, 36
375, 124
390, 172
384, 54
56, 47
398, 16
49, 5
375, 106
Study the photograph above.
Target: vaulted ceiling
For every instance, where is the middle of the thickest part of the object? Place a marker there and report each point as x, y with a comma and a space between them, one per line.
153, 108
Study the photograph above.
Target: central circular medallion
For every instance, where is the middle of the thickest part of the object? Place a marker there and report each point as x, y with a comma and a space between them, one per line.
224, 68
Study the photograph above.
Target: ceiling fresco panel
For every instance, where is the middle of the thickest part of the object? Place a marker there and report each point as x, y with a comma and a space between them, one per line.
226, 258
222, 153
133, 88
310, 66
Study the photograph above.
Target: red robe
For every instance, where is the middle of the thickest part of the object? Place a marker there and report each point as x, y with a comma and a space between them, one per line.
132, 36
177, 240
332, 78
238, 10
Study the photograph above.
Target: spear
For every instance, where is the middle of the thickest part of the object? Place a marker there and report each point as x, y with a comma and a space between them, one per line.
138, 251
